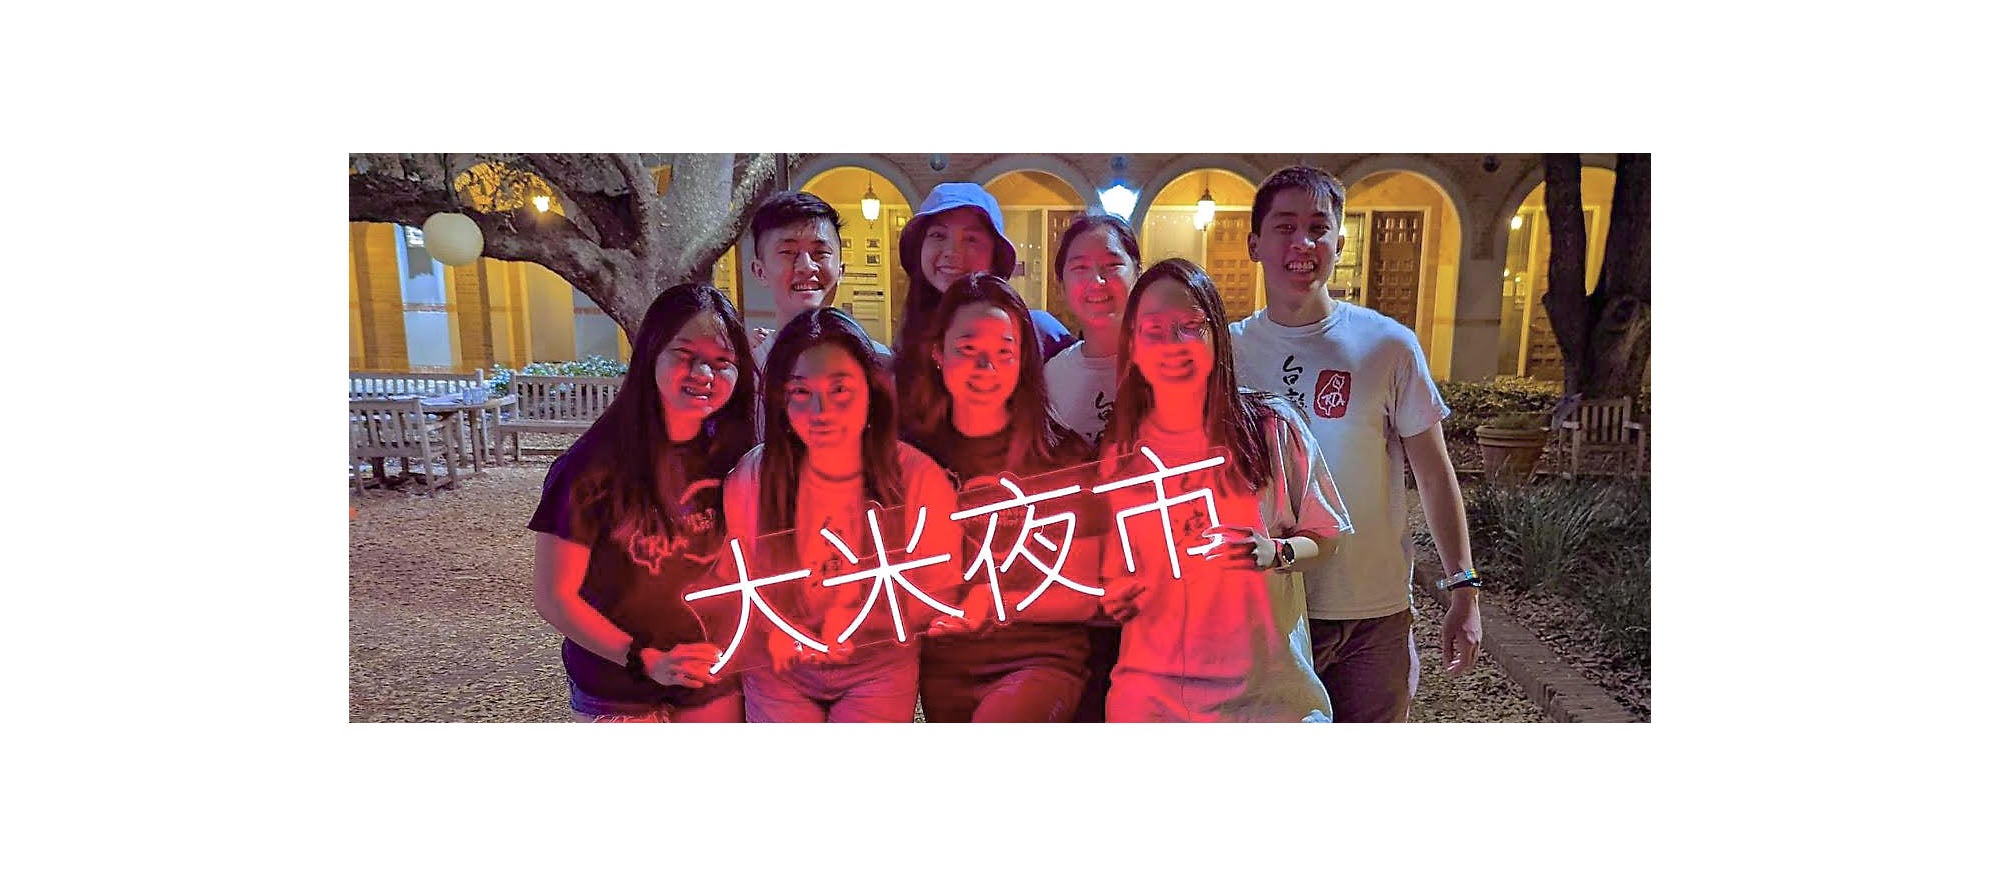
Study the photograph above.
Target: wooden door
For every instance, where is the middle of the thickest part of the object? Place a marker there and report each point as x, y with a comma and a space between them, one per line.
1228, 263
1395, 264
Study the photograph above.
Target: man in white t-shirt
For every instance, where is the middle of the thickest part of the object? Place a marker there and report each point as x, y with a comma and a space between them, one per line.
795, 252
1368, 396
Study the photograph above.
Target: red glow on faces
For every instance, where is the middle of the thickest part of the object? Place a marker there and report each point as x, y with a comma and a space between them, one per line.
980, 359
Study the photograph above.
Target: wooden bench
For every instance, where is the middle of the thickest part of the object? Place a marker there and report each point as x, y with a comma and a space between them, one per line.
380, 429
382, 384
556, 405
1604, 429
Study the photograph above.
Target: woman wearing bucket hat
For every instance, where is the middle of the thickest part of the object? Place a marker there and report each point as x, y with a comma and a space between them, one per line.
956, 232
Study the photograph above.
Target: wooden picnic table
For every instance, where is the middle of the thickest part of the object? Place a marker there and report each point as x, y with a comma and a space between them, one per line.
483, 445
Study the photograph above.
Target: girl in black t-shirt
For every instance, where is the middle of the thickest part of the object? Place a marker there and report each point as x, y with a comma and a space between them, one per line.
631, 515
981, 408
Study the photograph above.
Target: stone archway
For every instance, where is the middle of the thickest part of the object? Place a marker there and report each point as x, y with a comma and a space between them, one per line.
1526, 344
874, 280
1222, 248
1037, 207
1407, 245
1497, 230
1151, 187
876, 164
1061, 169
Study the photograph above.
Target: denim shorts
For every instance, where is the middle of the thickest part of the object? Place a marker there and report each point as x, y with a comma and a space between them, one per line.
659, 711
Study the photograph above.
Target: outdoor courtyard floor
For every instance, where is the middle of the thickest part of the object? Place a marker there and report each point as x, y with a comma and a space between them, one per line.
442, 626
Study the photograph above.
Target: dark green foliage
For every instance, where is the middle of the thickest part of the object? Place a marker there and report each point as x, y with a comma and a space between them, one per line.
1621, 600
590, 366
1475, 404
1586, 541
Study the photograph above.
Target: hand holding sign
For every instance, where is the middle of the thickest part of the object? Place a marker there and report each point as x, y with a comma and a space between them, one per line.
978, 620
1121, 597
686, 665
837, 653
1242, 548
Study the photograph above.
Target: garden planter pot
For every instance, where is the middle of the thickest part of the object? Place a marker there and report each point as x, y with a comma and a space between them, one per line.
1510, 454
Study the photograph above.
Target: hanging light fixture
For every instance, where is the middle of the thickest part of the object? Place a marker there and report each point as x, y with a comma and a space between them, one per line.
1118, 199
1516, 223
1204, 209
871, 206
541, 203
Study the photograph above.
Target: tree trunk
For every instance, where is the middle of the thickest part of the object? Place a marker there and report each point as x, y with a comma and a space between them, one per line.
1605, 336
1621, 307
1569, 311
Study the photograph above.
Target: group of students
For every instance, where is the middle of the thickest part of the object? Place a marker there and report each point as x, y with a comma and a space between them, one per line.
1300, 611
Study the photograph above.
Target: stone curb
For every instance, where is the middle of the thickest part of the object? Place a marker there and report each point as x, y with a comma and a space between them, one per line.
1562, 692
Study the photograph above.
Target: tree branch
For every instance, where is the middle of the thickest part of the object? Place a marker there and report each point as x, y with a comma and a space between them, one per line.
589, 186
546, 239
642, 203
760, 180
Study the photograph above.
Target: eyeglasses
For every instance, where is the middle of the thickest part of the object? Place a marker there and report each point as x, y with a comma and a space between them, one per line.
1172, 330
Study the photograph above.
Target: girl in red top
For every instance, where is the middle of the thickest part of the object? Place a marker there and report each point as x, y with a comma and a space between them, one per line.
981, 409
1214, 611
830, 450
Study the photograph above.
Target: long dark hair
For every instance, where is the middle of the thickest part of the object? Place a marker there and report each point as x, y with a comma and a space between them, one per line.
628, 437
785, 454
1230, 417
1036, 441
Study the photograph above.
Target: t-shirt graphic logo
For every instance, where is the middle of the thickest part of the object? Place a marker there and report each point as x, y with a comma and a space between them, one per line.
1330, 395
1293, 371
649, 549
700, 504
1103, 406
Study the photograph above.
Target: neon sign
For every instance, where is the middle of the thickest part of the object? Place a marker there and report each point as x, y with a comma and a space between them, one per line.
1052, 573
1035, 557
887, 577
1161, 505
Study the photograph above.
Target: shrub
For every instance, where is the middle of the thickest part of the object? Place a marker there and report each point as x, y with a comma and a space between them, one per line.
1620, 600
1590, 542
1474, 404
589, 366
1538, 530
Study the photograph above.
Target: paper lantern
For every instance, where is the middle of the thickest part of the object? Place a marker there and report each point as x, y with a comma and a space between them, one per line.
453, 238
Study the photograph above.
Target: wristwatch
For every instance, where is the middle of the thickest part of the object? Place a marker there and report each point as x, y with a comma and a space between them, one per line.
1463, 579
1285, 556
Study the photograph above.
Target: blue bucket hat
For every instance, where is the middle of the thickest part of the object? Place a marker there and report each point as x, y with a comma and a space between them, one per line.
950, 196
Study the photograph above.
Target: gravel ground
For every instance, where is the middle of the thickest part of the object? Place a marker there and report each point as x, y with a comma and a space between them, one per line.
1563, 624
442, 625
